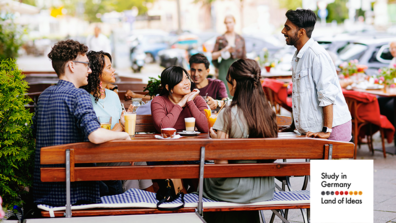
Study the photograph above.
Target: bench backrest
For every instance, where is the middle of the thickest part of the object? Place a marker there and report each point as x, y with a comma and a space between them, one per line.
189, 150
133, 86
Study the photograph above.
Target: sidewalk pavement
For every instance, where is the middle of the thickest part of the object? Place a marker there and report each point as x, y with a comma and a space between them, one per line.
384, 185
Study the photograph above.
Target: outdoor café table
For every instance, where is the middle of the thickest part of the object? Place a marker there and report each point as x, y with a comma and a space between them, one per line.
276, 74
390, 93
285, 135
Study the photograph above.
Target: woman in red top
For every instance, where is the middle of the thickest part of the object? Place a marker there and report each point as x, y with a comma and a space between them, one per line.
177, 102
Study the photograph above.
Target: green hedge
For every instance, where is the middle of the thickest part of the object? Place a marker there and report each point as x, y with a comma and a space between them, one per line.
16, 141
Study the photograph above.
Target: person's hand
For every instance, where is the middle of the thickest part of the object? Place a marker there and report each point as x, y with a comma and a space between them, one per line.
322, 135
211, 102
182, 103
129, 94
130, 108
192, 95
122, 119
117, 128
231, 49
126, 136
212, 133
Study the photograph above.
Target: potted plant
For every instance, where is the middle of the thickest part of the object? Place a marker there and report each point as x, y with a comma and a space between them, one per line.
265, 62
153, 86
351, 68
387, 77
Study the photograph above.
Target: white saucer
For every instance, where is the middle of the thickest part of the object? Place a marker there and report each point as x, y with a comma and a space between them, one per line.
185, 133
174, 137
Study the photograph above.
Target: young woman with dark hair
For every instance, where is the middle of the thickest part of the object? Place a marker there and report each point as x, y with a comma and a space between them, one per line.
177, 102
107, 103
248, 116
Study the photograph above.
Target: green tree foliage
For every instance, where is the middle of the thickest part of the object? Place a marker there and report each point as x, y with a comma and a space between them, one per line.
16, 141
10, 37
94, 7
290, 4
337, 11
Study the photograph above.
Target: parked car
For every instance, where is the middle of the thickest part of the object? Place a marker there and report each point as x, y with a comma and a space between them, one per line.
180, 51
374, 53
150, 42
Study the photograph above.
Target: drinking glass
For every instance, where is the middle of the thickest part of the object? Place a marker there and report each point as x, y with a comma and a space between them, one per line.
105, 121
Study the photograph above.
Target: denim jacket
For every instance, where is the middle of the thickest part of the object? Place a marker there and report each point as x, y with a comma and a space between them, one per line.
316, 85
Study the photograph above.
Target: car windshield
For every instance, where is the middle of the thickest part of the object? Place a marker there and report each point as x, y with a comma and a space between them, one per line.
352, 51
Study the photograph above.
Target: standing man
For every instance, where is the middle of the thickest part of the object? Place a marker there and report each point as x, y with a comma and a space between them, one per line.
98, 41
319, 107
213, 89
65, 115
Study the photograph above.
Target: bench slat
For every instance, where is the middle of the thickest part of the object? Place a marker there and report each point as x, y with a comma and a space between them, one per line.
130, 211
189, 150
57, 174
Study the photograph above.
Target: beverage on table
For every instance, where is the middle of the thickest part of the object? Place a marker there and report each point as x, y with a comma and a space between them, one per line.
190, 124
212, 119
130, 123
105, 122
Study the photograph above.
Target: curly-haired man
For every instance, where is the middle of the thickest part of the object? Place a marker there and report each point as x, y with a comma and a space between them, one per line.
65, 115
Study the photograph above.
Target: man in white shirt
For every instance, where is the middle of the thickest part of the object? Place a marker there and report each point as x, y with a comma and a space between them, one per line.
319, 107
98, 42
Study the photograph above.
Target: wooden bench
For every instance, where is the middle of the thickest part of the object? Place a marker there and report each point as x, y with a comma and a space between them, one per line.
185, 150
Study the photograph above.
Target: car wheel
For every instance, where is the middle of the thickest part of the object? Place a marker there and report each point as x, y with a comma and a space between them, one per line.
149, 58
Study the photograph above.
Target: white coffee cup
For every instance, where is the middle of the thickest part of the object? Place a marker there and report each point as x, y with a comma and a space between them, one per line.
190, 124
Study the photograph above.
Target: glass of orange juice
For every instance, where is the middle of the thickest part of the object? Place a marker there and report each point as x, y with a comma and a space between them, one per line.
212, 119
105, 122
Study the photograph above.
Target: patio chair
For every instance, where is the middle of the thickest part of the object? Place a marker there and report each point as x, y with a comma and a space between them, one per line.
276, 93
366, 119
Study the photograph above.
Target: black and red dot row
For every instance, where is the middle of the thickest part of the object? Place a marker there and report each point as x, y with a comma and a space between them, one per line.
342, 192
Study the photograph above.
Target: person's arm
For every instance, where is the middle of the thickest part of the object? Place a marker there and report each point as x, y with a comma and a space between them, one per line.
161, 118
101, 135
197, 107
327, 121
130, 94
216, 53
327, 88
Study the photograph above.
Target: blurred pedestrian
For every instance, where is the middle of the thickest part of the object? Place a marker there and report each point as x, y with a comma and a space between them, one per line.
98, 42
229, 47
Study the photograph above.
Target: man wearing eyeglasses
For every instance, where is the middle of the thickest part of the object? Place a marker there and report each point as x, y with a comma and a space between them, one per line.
65, 115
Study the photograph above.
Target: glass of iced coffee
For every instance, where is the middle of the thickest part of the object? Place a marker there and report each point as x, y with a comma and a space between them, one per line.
190, 124
130, 123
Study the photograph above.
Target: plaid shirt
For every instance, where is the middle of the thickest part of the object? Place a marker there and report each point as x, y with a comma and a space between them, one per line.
64, 115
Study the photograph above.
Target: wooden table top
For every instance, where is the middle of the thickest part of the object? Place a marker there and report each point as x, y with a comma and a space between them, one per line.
285, 135
390, 93
276, 74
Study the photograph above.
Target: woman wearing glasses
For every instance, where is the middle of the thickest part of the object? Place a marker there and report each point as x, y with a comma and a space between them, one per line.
177, 102
107, 103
